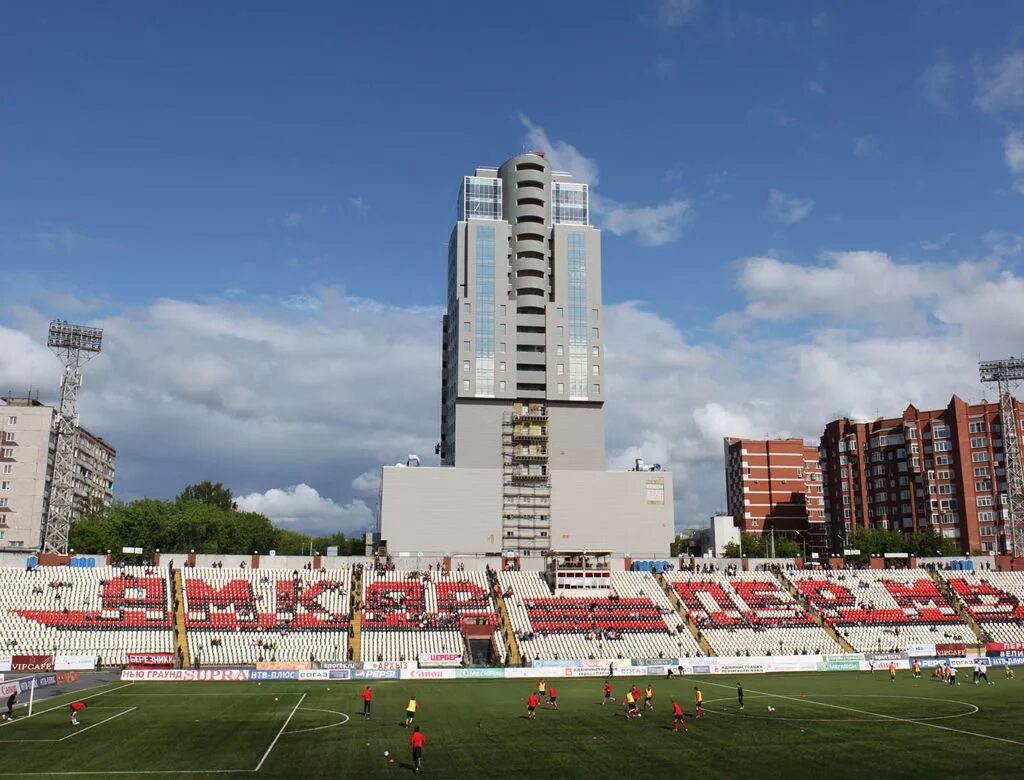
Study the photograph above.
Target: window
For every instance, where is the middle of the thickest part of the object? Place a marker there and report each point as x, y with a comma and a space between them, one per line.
940, 433
655, 490
595, 333
560, 369
976, 427
986, 501
465, 365
597, 389
467, 327
503, 309
502, 365
465, 385
561, 389
12, 420
559, 350
595, 352
3, 502
981, 471
915, 448
577, 316
943, 460
561, 312
986, 516
979, 457
5, 485
979, 441
480, 198
465, 346
983, 487
503, 329
467, 307
501, 348
8, 468
594, 315
560, 331
501, 385
569, 203
595, 370
943, 446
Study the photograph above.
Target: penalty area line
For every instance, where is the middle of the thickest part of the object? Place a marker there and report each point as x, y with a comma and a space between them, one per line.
874, 714
280, 732
65, 704
94, 725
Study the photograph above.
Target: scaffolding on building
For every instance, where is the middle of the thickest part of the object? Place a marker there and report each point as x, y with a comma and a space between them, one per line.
1006, 375
526, 480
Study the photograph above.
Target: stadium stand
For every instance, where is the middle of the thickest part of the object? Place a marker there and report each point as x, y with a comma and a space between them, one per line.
236, 616
994, 600
749, 613
106, 611
406, 613
883, 610
631, 619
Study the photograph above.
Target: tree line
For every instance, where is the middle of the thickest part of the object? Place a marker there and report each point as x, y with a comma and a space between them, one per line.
203, 518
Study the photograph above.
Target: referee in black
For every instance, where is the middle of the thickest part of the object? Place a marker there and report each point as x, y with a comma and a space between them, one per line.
739, 694
10, 706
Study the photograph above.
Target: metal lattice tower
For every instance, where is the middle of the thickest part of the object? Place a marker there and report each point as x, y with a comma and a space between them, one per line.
1006, 375
74, 345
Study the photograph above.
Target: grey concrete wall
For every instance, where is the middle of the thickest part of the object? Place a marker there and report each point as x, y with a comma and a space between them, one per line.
478, 434
446, 510
609, 510
576, 437
27, 488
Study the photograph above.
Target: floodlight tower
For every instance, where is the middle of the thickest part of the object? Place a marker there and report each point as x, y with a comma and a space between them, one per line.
1006, 375
74, 345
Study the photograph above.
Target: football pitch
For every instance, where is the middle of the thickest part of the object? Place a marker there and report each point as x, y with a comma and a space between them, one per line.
834, 724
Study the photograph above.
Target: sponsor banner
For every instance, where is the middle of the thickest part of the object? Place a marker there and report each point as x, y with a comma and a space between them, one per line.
591, 663
634, 671
342, 665
520, 672
376, 674
586, 671
1005, 654
950, 649
808, 664
886, 656
67, 663
427, 674
339, 674
925, 650
989, 646
258, 675
32, 663
546, 662
284, 665
1011, 660
441, 659
5, 663
725, 667
462, 674
830, 664
150, 660
314, 674
185, 675
701, 669
389, 665
649, 661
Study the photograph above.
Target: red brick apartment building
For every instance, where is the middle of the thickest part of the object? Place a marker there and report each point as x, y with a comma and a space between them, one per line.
943, 469
775, 485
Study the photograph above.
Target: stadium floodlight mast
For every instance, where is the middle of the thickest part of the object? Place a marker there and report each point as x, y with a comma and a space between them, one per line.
74, 345
1007, 375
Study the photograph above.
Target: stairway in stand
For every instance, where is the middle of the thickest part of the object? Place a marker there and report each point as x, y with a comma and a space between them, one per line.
705, 646
830, 630
179, 620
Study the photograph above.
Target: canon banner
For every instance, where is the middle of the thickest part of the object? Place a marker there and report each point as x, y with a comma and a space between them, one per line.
442, 659
150, 660
185, 675
32, 663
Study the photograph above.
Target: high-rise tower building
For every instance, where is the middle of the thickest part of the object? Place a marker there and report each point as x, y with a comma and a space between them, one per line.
523, 388
523, 323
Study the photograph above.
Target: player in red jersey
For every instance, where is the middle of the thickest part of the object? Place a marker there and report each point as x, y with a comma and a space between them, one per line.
607, 693
677, 717
76, 707
416, 741
531, 706
552, 697
367, 700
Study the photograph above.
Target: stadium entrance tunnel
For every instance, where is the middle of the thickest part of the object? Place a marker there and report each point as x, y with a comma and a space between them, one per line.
841, 708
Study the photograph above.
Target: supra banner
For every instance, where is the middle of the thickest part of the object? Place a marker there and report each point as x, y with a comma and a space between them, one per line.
185, 675
150, 660
32, 663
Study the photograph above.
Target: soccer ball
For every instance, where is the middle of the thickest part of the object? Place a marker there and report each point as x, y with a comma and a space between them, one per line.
386, 754
771, 709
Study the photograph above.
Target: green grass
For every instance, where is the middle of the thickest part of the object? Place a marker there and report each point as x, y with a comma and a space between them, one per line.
837, 724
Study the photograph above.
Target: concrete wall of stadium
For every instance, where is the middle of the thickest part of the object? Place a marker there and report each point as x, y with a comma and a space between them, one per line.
458, 510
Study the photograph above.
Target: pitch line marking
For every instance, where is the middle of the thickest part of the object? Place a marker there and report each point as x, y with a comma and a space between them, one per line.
973, 711
320, 728
94, 725
279, 733
59, 706
865, 712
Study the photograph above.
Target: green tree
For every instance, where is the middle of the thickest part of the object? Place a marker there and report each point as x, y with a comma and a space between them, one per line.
210, 493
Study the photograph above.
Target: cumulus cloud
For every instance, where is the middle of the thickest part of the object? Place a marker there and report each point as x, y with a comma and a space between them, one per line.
651, 225
816, 87
865, 146
1013, 151
788, 209
302, 507
937, 82
1000, 87
676, 13
367, 482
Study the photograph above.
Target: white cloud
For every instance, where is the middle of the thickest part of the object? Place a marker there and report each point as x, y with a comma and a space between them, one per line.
816, 87
63, 239
293, 219
788, 208
865, 146
360, 204
652, 225
301, 507
367, 482
665, 68
676, 13
1013, 151
1000, 87
938, 81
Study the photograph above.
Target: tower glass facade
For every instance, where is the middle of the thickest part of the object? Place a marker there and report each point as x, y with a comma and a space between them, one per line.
577, 317
485, 311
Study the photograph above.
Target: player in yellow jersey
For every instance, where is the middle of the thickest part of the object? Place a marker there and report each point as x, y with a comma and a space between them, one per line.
410, 710
698, 700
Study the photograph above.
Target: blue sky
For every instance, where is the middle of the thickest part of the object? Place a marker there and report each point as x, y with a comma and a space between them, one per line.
171, 169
